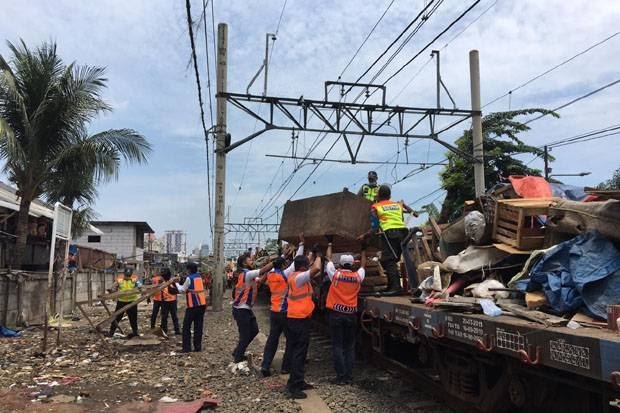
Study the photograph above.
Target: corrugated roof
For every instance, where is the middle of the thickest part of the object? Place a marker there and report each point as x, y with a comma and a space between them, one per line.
38, 208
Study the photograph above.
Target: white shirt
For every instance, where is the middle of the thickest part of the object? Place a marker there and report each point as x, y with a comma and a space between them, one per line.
251, 275
331, 270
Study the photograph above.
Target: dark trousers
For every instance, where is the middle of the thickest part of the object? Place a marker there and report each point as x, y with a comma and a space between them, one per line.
277, 326
193, 316
391, 251
132, 314
342, 329
169, 307
299, 339
156, 308
248, 329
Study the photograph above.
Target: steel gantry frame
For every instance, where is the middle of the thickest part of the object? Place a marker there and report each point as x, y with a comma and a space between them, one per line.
349, 118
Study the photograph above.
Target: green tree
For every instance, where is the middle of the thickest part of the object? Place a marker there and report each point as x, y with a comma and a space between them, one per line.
501, 144
45, 108
612, 183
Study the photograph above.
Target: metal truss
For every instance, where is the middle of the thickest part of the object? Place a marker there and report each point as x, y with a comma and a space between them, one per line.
348, 118
314, 160
251, 228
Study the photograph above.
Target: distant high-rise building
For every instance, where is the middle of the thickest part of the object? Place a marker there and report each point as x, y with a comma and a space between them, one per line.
176, 241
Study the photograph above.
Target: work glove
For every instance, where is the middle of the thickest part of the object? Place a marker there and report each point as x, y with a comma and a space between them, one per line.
329, 238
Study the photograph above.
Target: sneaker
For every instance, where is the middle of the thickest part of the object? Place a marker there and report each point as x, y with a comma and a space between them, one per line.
307, 386
284, 371
265, 372
296, 395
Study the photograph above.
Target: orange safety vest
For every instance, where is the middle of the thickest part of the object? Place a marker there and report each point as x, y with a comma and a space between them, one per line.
196, 294
120, 277
342, 295
163, 295
300, 304
245, 294
276, 280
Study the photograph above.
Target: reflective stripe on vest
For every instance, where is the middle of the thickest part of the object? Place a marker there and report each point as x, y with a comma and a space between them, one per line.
196, 295
300, 304
370, 192
126, 285
244, 293
278, 286
390, 214
342, 295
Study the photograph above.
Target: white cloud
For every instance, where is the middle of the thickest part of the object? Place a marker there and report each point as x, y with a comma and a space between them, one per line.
145, 47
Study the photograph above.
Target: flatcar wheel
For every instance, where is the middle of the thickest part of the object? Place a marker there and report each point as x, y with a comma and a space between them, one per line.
517, 392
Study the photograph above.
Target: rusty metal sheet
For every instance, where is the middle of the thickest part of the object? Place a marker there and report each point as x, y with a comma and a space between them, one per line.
342, 214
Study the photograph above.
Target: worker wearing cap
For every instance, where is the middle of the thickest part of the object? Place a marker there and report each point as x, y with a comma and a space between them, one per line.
387, 218
276, 280
196, 296
370, 189
127, 283
342, 311
246, 292
300, 308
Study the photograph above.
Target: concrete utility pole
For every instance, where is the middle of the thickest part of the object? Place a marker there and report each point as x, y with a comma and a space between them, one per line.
474, 76
220, 167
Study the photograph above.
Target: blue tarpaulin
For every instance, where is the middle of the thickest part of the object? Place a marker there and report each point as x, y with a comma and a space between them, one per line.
582, 271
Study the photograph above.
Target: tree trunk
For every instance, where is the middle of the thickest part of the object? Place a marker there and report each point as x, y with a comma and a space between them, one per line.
22, 234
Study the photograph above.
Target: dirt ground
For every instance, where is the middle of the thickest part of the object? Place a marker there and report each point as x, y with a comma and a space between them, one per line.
90, 375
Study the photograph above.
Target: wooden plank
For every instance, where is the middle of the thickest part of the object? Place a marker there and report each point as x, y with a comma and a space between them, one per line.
435, 227
508, 233
427, 249
145, 295
506, 240
109, 314
512, 215
508, 225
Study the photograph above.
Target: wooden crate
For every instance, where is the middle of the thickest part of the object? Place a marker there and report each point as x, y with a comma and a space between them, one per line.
516, 224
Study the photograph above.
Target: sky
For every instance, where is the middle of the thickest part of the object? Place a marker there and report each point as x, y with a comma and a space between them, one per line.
144, 46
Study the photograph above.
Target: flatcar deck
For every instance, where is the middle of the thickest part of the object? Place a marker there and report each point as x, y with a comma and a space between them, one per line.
589, 352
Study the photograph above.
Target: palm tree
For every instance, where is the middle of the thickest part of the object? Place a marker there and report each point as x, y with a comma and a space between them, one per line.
45, 109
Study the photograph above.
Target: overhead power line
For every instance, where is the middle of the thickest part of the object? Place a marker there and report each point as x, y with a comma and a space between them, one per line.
432, 41
202, 112
402, 33
546, 72
576, 100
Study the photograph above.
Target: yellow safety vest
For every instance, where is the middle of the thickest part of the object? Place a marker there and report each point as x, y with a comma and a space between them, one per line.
390, 214
370, 192
125, 285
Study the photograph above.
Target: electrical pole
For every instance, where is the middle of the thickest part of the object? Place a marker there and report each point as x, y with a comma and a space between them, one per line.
476, 120
546, 162
220, 166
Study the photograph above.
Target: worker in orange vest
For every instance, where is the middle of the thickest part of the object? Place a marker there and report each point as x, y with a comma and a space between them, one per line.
196, 297
246, 292
166, 302
300, 308
276, 280
342, 311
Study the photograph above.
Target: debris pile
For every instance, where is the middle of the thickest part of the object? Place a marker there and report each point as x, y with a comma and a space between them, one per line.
524, 249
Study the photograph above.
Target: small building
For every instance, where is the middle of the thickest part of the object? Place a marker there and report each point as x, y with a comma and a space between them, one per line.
125, 239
